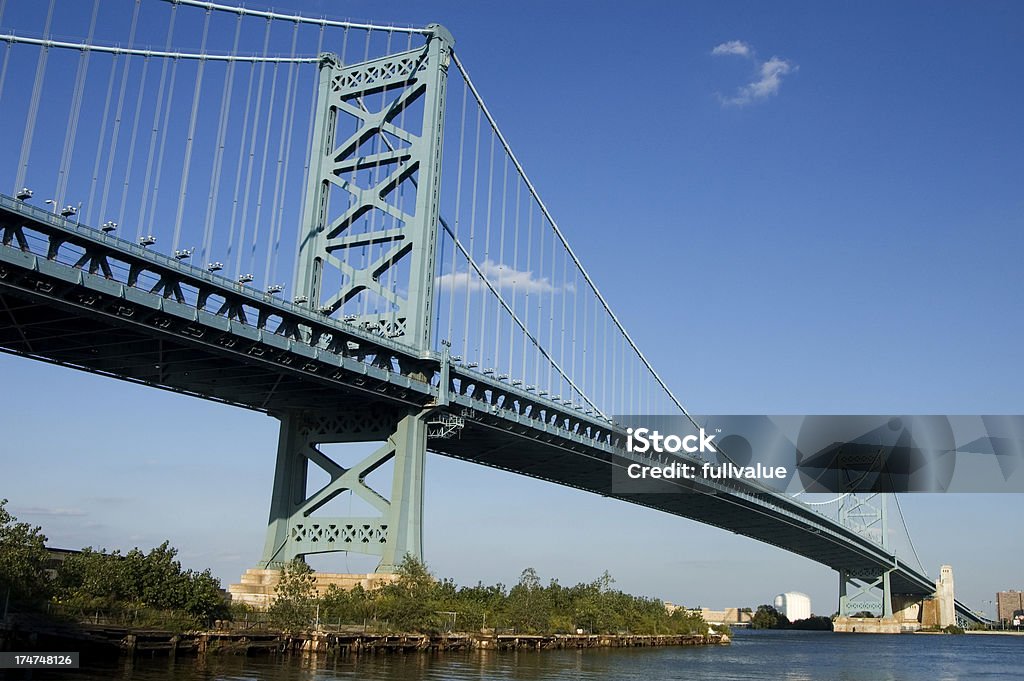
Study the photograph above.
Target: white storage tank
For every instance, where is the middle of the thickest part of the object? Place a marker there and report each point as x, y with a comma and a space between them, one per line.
794, 605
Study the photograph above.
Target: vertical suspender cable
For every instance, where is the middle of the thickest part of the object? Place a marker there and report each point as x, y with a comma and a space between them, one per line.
284, 156
515, 267
74, 115
100, 139
585, 349
273, 236
218, 154
454, 273
540, 298
344, 44
3, 68
186, 166
257, 109
115, 132
310, 152
240, 164
164, 127
526, 284
258, 217
487, 248
33, 107
551, 316
136, 120
558, 232
563, 292
606, 373
151, 153
502, 278
472, 228
7, 57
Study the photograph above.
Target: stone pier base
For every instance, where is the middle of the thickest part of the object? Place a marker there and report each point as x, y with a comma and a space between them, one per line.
257, 585
867, 625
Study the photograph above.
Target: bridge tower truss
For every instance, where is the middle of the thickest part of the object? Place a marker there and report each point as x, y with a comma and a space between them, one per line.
859, 589
367, 253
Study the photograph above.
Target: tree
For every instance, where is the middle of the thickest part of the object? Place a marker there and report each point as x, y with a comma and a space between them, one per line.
768, 617
527, 606
23, 559
295, 599
408, 603
97, 580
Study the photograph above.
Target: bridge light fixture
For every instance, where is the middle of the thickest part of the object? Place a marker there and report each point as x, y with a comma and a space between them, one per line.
109, 226
68, 211
456, 358
555, 398
542, 393
325, 309
275, 288
502, 377
244, 278
183, 254
473, 365
489, 370
516, 381
531, 388
24, 194
147, 240
350, 318
300, 300
214, 266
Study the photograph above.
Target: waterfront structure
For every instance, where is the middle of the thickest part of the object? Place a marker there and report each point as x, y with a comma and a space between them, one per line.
794, 605
416, 317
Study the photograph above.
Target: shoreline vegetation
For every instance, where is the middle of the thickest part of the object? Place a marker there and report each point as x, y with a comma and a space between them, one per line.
145, 601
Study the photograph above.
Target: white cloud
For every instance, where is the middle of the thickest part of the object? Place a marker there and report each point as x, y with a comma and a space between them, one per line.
769, 81
51, 512
501, 277
737, 47
768, 74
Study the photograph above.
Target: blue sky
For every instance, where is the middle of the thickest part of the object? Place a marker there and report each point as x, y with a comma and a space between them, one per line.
849, 242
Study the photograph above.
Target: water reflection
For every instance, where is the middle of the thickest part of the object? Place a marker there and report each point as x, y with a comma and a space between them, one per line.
754, 656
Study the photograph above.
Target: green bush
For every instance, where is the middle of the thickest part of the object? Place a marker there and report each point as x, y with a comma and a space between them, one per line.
98, 581
23, 561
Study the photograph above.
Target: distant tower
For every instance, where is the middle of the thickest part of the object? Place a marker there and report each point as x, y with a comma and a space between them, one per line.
794, 605
944, 595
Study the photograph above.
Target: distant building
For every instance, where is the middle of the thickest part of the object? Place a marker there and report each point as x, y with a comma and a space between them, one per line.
54, 559
794, 605
731, 616
1007, 603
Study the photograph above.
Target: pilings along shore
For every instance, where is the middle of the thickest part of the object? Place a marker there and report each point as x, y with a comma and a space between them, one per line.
116, 640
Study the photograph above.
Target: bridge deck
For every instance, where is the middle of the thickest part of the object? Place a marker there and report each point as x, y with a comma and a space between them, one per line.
166, 334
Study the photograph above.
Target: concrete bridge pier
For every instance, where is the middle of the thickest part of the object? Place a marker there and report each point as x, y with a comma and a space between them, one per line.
906, 612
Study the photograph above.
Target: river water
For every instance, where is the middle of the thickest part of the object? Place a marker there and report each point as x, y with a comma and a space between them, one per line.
792, 656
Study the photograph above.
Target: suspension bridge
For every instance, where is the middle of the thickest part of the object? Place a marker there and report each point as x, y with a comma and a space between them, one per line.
248, 207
